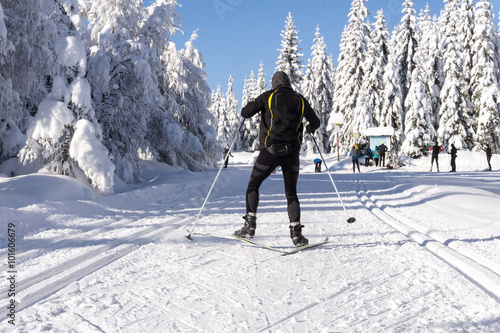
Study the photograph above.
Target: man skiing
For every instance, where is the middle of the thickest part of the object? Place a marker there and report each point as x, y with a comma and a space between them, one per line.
436, 149
354, 154
280, 137
382, 149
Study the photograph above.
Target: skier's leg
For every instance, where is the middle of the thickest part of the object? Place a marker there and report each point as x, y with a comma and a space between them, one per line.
263, 167
290, 166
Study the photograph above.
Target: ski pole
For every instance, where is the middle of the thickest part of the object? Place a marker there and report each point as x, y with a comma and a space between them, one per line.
215, 180
350, 219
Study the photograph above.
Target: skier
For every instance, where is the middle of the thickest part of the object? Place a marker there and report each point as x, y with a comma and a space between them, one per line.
436, 149
226, 150
453, 154
375, 156
382, 149
488, 155
368, 154
281, 112
354, 154
317, 164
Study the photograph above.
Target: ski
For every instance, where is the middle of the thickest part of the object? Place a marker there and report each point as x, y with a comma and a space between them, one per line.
245, 240
305, 247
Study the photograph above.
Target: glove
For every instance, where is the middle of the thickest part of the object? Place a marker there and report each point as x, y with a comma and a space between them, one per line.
308, 129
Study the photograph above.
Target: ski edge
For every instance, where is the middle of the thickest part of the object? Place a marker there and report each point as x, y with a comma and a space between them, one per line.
305, 247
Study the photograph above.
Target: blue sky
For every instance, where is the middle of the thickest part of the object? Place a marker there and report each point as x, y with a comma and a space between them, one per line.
235, 36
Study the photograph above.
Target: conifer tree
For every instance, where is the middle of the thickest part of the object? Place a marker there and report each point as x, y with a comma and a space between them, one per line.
323, 89
455, 104
289, 58
350, 73
484, 80
430, 45
419, 130
380, 39
232, 110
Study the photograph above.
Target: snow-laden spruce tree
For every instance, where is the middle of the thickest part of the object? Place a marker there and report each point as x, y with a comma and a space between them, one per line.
484, 79
12, 115
465, 28
322, 73
455, 104
250, 134
289, 59
350, 73
380, 39
219, 111
65, 135
232, 110
419, 131
200, 142
308, 92
393, 112
261, 84
430, 45
406, 44
121, 81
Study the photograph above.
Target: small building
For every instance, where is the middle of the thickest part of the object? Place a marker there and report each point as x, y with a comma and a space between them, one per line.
378, 135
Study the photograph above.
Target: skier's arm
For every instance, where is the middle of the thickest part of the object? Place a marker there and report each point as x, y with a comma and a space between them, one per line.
253, 107
311, 117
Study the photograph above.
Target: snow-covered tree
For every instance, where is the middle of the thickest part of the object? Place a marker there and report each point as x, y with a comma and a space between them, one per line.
289, 59
455, 104
430, 46
379, 46
308, 92
350, 73
419, 131
261, 84
393, 112
323, 89
12, 115
218, 109
484, 80
65, 134
232, 109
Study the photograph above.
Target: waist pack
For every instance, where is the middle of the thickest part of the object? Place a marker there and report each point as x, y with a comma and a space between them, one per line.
280, 149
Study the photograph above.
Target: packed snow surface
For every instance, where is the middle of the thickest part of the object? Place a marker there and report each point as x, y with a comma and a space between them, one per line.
422, 255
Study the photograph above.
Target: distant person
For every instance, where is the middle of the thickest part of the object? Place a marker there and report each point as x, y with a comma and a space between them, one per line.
453, 154
375, 156
488, 155
367, 152
382, 149
317, 165
436, 149
281, 112
226, 151
354, 154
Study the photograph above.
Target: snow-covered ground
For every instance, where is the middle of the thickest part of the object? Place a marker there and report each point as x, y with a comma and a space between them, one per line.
422, 256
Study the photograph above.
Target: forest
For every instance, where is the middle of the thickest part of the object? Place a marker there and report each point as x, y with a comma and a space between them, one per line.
89, 89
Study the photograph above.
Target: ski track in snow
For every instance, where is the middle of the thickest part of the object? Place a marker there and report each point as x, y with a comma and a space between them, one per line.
125, 265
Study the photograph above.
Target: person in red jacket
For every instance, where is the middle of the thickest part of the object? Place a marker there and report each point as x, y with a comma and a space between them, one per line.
282, 111
436, 149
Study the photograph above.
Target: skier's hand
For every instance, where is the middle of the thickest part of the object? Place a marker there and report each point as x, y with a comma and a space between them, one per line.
308, 129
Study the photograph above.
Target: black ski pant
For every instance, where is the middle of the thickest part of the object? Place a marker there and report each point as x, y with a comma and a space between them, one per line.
435, 158
354, 163
263, 167
453, 164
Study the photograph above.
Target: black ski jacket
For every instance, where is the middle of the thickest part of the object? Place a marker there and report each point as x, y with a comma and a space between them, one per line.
282, 111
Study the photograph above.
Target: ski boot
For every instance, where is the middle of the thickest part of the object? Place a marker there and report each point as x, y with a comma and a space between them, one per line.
296, 234
248, 230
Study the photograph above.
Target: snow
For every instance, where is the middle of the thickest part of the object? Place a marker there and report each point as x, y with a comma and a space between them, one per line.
422, 255
50, 120
71, 52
